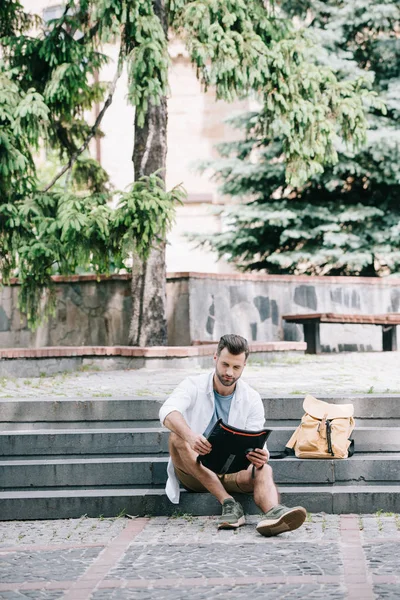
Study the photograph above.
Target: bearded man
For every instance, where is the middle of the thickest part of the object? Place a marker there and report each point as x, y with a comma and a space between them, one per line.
190, 413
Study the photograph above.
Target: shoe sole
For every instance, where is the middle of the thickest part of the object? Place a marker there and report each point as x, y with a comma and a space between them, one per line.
287, 522
226, 525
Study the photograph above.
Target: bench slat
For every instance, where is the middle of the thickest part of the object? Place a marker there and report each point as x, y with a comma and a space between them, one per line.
383, 319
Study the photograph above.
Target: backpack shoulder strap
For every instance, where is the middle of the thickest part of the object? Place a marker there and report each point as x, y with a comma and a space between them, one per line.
288, 451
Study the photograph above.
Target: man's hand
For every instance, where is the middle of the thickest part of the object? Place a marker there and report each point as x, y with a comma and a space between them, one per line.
199, 444
258, 457
176, 423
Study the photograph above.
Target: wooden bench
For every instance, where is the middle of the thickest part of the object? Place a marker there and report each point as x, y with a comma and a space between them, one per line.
311, 323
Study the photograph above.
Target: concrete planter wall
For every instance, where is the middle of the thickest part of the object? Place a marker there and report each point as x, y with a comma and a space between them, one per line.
88, 313
202, 307
205, 306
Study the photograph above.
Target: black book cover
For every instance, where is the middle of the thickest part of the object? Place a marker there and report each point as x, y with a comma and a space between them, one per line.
230, 446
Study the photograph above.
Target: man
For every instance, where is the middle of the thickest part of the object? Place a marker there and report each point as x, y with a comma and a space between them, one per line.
190, 413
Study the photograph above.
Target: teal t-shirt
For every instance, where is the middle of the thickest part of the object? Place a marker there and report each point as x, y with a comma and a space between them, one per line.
221, 410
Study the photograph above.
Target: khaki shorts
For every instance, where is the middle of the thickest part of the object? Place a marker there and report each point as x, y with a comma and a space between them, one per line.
193, 485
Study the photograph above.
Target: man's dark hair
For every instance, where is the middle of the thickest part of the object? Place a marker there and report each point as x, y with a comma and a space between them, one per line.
235, 344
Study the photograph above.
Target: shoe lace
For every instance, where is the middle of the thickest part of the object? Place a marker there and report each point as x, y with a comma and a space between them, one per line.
228, 509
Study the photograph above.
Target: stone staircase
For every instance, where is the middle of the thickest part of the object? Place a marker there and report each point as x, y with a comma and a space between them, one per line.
64, 458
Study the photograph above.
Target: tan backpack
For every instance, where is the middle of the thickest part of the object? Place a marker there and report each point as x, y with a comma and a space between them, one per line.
324, 431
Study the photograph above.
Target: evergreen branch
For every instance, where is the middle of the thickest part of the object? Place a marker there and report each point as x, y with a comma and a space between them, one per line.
90, 34
68, 6
93, 130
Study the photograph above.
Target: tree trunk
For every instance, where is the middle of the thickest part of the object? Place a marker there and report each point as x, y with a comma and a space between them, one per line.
149, 323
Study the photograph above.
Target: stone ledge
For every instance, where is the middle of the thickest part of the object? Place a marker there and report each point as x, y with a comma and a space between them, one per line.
310, 279
146, 352
82, 278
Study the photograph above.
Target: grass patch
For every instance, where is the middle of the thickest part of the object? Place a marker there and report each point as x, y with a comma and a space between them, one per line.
181, 515
143, 392
379, 521
324, 523
87, 368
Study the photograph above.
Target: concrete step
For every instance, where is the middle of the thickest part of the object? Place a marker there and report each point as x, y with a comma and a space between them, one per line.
145, 440
375, 407
366, 439
47, 442
57, 425
56, 410
110, 502
151, 471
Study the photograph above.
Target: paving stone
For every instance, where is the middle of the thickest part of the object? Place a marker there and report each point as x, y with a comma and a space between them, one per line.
81, 531
356, 373
379, 526
184, 548
59, 565
386, 591
187, 529
383, 558
32, 595
233, 592
221, 560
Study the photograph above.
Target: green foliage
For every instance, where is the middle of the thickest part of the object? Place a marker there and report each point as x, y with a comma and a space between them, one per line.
62, 225
23, 115
144, 45
49, 79
345, 220
144, 213
61, 232
240, 46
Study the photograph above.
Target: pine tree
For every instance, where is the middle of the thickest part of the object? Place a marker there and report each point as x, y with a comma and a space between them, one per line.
346, 220
49, 79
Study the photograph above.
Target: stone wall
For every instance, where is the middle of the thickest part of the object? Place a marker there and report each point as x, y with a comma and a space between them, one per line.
252, 306
202, 307
88, 313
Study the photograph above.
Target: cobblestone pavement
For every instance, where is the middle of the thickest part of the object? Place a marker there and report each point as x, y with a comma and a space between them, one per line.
344, 557
356, 373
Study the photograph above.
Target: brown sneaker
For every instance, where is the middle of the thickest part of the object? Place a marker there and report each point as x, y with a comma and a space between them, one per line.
232, 515
280, 519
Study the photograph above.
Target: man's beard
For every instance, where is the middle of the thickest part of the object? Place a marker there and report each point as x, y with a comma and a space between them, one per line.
226, 382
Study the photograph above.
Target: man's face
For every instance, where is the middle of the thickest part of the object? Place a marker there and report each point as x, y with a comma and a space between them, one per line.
229, 367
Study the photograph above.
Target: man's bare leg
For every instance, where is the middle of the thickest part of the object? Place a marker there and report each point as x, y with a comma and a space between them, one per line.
266, 494
278, 518
185, 458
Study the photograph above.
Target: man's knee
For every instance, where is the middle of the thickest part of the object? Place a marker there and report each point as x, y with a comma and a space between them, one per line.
265, 472
181, 453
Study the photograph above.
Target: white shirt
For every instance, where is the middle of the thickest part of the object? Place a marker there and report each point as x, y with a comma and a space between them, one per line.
194, 399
